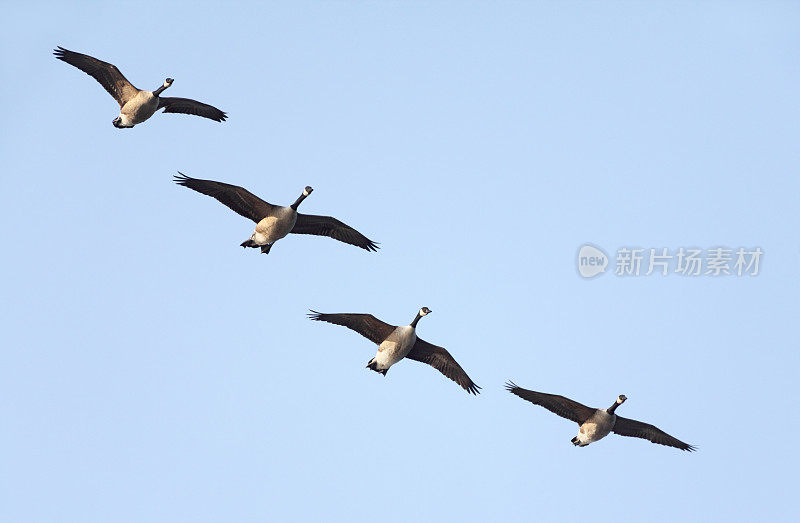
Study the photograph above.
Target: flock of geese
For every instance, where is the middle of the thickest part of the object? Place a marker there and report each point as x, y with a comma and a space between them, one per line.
274, 222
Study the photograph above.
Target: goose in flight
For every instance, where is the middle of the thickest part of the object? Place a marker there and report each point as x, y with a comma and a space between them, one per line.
136, 105
595, 424
395, 343
274, 222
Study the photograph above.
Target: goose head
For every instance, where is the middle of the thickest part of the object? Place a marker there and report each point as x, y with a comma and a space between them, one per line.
308, 190
166, 84
422, 312
620, 400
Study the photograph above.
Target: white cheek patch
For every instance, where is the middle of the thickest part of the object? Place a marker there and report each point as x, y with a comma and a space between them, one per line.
305, 193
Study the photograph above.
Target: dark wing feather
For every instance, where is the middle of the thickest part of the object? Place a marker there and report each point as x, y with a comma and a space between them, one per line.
441, 360
365, 324
187, 106
236, 198
637, 429
564, 407
107, 74
327, 226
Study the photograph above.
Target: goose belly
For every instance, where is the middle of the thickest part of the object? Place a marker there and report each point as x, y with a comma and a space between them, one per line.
596, 428
273, 228
139, 108
395, 347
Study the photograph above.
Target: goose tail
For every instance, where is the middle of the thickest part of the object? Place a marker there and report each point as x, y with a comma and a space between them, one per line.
373, 365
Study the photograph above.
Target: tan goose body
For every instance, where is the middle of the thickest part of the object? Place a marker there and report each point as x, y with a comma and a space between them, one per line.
395, 347
595, 428
138, 109
275, 226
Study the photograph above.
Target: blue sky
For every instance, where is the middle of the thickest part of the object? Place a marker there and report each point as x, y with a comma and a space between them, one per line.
155, 371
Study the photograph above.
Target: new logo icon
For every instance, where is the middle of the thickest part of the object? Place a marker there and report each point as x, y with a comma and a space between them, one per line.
591, 261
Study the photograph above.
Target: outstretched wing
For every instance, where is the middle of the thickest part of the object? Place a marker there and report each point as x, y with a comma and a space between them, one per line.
328, 226
365, 324
637, 429
441, 360
107, 74
188, 106
236, 198
564, 407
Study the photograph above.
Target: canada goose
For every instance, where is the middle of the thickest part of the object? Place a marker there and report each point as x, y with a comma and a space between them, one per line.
395, 343
595, 424
136, 105
273, 222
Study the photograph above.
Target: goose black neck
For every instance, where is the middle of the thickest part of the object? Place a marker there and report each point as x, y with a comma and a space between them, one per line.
298, 201
159, 90
414, 323
613, 407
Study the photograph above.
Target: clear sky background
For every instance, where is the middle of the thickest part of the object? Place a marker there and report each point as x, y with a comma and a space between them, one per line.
155, 371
